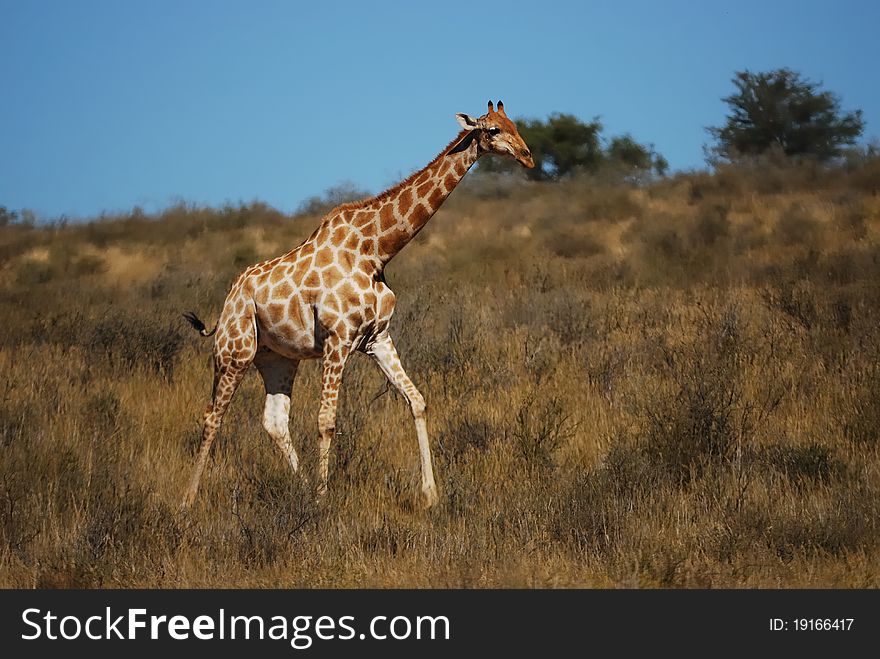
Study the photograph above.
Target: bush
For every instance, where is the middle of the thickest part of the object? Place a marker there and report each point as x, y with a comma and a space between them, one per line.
129, 342
796, 227
807, 464
539, 429
31, 273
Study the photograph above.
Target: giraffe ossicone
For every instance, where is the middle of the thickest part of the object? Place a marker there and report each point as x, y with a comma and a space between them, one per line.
327, 298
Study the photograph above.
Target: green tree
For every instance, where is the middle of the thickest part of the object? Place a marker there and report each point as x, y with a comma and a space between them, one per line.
627, 154
7, 216
782, 111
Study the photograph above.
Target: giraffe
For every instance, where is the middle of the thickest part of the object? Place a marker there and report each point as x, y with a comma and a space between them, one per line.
328, 298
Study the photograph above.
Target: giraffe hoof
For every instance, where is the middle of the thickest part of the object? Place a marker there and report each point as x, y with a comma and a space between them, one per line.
430, 497
187, 502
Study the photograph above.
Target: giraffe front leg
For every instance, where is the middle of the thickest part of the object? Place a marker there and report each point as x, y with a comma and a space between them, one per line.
385, 354
336, 354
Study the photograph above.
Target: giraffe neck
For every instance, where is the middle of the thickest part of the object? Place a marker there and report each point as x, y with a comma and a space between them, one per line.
395, 217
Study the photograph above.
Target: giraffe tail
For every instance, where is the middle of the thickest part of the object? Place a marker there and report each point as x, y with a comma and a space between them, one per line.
196, 322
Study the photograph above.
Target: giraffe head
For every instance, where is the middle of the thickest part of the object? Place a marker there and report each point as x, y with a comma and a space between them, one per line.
497, 134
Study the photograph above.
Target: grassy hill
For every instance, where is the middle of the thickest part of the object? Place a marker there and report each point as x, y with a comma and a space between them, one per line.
671, 385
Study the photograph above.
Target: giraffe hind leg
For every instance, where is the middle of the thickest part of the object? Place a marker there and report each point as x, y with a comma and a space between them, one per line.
231, 361
227, 383
278, 374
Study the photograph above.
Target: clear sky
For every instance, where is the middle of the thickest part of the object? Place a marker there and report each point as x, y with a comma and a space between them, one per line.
109, 104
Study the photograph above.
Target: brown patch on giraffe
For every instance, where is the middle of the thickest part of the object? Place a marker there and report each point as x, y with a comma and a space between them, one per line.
444, 168
361, 280
295, 311
331, 303
339, 235
423, 176
386, 305
305, 249
277, 275
244, 324
404, 201
393, 242
436, 198
369, 229
352, 242
299, 272
386, 217
362, 219
370, 300
423, 190
262, 295
460, 168
342, 328
348, 294
346, 260
331, 276
368, 247
309, 296
322, 234
324, 257
312, 280
284, 289
276, 312
449, 181
420, 215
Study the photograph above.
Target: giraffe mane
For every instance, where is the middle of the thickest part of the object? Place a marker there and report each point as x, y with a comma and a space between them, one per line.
397, 187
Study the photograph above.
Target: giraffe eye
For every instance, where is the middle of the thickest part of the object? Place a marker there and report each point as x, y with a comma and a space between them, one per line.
494, 130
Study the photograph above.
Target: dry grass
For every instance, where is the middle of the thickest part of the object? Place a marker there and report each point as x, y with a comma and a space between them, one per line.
669, 386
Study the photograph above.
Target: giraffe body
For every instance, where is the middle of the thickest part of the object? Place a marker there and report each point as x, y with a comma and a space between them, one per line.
328, 298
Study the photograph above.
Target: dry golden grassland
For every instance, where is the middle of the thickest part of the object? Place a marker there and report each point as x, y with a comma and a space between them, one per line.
671, 385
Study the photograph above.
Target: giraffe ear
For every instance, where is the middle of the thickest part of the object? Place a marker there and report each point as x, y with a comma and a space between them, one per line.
466, 121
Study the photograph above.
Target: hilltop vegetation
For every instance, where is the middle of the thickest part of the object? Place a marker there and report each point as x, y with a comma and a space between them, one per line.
670, 385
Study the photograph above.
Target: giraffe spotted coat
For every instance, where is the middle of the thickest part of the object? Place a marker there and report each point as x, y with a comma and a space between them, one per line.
328, 297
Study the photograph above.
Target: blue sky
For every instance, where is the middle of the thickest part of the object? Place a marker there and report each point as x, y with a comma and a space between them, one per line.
110, 104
